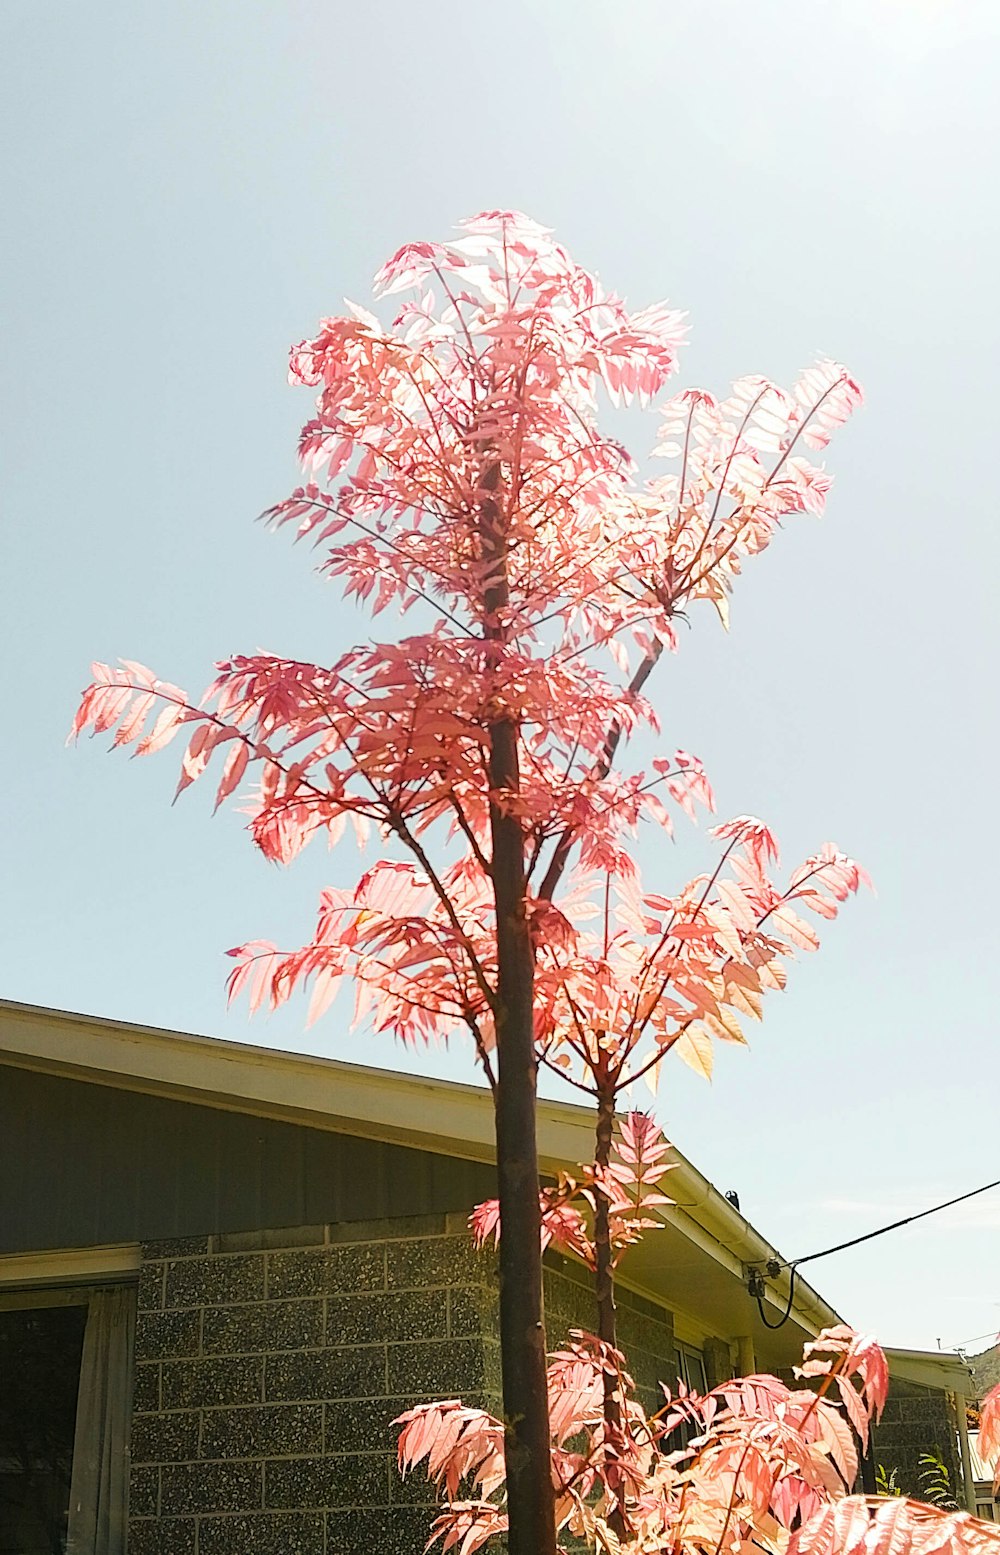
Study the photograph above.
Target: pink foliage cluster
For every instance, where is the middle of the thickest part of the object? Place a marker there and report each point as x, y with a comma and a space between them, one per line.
752, 1465
481, 397
454, 469
761, 1458
765, 1466
630, 1183
989, 1431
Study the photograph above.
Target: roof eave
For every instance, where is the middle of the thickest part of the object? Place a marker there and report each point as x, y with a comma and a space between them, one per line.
454, 1119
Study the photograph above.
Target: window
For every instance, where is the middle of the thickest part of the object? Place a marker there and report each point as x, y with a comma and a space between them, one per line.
40, 1352
691, 1368
690, 1365
65, 1406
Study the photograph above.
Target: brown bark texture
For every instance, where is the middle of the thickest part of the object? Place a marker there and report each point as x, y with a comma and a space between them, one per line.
530, 1501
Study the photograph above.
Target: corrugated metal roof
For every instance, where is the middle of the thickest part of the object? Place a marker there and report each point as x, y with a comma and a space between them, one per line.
982, 1469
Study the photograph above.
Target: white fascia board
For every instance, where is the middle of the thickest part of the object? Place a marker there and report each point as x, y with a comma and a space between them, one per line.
70, 1266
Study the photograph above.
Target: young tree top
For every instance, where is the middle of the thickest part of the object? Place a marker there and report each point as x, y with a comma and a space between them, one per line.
456, 469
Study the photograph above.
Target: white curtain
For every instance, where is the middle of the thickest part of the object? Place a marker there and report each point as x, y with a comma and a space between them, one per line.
98, 1499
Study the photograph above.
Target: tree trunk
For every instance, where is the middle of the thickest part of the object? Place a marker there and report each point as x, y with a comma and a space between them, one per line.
604, 1284
530, 1501
607, 1324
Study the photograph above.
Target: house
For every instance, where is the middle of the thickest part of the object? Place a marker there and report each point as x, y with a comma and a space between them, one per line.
224, 1270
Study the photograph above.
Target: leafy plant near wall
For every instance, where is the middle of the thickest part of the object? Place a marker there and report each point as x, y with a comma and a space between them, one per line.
455, 470
751, 1465
887, 1481
933, 1478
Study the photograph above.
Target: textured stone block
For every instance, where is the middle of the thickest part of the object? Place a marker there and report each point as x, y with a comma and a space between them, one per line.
355, 1426
212, 1487
473, 1311
354, 1479
557, 1266
442, 1260
492, 1379
146, 1394
401, 1530
167, 1438
144, 1492
326, 1374
441, 1370
922, 1436
395, 1316
631, 1298
413, 1490
279, 1361
718, 1362
326, 1271
649, 1374
646, 1330
261, 1431
928, 1410
162, 1334
274, 1325
279, 1533
204, 1282
644, 1333
176, 1247
161, 1536
210, 1382
567, 1304
150, 1295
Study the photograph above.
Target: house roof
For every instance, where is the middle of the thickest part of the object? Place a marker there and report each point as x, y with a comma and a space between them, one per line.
703, 1237
982, 1468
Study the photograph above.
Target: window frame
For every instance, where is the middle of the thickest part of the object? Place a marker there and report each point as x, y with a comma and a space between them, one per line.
74, 1277
685, 1355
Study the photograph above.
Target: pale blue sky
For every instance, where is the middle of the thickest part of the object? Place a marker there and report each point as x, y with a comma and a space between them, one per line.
189, 184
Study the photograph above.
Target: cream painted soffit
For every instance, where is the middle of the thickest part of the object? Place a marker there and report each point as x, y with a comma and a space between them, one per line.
932, 1369
438, 1116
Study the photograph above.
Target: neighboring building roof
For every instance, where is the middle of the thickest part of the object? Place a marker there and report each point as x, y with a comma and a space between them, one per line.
702, 1235
982, 1469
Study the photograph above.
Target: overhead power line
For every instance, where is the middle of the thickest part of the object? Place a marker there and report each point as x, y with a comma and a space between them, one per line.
755, 1279
976, 1339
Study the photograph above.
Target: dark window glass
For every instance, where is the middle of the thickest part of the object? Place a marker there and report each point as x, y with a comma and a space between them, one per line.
691, 1371
40, 1349
695, 1367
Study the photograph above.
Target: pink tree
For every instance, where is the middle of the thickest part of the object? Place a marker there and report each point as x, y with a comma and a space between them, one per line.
455, 471
989, 1430
765, 1467
659, 973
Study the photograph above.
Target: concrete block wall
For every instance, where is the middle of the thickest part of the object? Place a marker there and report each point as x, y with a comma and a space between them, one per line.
917, 1420
645, 1330
269, 1366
